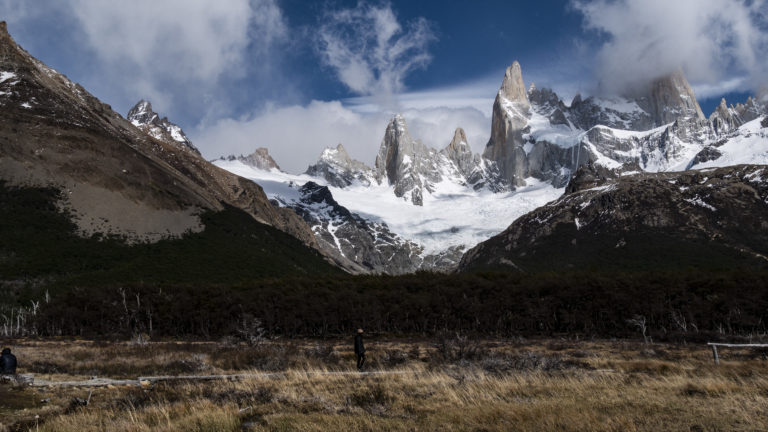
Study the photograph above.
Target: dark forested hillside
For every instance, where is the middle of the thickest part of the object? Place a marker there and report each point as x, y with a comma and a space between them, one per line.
39, 246
688, 305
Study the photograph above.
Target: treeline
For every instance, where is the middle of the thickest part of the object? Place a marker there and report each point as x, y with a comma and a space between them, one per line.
667, 305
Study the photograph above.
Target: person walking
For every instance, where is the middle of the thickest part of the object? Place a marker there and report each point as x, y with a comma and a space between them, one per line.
7, 362
359, 349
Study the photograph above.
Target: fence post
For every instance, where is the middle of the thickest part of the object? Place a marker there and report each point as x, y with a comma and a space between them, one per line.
714, 354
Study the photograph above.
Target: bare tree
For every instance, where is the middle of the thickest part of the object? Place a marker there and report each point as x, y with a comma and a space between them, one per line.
680, 320
639, 321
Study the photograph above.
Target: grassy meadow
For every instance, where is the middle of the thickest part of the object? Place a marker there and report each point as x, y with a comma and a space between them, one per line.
446, 383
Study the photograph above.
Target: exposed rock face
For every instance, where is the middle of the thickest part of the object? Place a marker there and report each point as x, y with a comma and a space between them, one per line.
405, 163
660, 129
340, 170
618, 113
116, 177
511, 111
711, 218
360, 245
513, 87
752, 109
724, 118
459, 152
142, 116
671, 98
728, 118
260, 159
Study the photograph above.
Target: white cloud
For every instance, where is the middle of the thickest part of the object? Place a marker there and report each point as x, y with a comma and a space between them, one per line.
296, 135
718, 89
370, 51
712, 40
14, 10
435, 126
162, 50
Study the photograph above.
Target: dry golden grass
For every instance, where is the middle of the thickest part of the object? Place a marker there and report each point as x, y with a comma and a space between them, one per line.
496, 385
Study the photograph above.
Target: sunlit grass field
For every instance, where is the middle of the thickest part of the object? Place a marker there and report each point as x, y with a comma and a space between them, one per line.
447, 384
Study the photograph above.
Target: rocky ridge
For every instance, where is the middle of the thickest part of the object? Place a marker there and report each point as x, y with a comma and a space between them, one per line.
412, 169
536, 138
115, 177
143, 117
362, 245
661, 220
340, 170
259, 159
536, 135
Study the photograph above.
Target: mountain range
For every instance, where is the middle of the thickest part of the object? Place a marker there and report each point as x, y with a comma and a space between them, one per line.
435, 204
554, 185
112, 179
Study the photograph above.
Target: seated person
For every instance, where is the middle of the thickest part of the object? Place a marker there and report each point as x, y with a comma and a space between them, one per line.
7, 363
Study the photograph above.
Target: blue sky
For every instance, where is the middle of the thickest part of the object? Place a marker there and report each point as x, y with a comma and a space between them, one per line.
297, 76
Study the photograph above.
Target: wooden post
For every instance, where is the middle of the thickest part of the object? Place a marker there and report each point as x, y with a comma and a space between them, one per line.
714, 354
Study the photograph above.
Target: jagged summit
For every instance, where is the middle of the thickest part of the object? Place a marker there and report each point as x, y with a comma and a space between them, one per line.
511, 111
460, 153
727, 118
261, 159
405, 163
513, 87
142, 113
143, 117
459, 142
671, 98
339, 169
538, 146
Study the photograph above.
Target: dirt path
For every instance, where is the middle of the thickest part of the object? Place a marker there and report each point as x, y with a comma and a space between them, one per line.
104, 382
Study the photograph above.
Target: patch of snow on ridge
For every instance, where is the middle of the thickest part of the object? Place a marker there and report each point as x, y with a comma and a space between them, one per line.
5, 76
560, 135
748, 146
620, 105
699, 202
452, 215
176, 134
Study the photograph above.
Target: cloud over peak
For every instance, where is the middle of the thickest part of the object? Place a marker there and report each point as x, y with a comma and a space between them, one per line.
711, 40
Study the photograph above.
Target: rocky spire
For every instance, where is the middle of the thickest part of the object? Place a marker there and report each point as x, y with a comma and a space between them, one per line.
724, 118
671, 98
142, 113
143, 117
405, 163
397, 148
460, 153
459, 143
513, 87
511, 111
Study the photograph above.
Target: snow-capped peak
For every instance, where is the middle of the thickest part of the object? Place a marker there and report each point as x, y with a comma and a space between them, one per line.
142, 114
143, 117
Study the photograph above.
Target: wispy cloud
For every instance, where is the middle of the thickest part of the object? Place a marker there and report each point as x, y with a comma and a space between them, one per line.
712, 40
718, 89
174, 52
370, 51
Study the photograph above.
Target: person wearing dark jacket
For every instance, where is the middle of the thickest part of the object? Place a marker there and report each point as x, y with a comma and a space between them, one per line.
359, 349
7, 363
